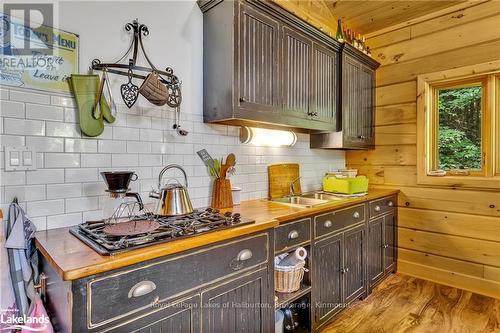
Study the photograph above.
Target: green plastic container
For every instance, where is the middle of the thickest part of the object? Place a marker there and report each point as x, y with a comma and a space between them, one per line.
354, 185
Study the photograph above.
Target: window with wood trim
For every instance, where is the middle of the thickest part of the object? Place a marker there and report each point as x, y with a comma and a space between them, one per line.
458, 122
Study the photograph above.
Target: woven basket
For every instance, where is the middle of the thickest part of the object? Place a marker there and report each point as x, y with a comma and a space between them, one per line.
287, 279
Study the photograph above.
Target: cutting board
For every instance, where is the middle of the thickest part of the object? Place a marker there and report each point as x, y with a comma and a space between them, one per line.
280, 176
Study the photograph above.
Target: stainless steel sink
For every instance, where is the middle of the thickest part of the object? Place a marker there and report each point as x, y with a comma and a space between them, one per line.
300, 201
321, 196
308, 200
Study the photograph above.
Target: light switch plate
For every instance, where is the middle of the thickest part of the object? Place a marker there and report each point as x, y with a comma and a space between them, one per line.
20, 158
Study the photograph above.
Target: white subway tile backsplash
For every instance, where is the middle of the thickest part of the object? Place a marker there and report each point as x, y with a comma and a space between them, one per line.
138, 121
138, 147
44, 208
80, 145
92, 189
124, 160
71, 115
44, 112
45, 144
63, 130
150, 135
63, 220
61, 191
81, 204
112, 146
62, 101
29, 97
12, 177
4, 94
62, 160
95, 160
151, 160
11, 140
24, 127
24, 193
125, 133
45, 176
81, 175
11, 109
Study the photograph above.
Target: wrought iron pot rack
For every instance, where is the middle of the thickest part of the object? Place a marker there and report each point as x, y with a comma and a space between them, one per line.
132, 70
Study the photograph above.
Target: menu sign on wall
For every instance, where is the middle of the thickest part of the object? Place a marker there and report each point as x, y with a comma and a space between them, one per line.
52, 55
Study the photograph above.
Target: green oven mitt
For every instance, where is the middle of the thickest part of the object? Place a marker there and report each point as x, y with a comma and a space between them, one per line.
85, 89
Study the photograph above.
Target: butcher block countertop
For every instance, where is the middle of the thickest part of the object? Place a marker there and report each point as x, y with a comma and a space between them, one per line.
72, 259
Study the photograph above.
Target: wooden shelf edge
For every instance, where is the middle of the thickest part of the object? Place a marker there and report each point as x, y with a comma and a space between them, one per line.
286, 298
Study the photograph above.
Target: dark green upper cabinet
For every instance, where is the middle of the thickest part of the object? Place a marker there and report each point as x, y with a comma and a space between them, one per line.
264, 67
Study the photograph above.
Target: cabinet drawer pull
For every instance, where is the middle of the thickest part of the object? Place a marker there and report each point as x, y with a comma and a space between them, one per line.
142, 288
244, 255
390, 204
385, 246
243, 99
344, 270
328, 224
377, 208
356, 215
362, 137
294, 234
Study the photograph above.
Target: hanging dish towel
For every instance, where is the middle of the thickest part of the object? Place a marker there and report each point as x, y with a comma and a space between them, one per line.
85, 89
23, 266
7, 297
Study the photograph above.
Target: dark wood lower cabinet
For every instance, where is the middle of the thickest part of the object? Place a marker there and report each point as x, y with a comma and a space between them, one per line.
327, 291
375, 254
390, 242
382, 247
339, 272
354, 263
236, 305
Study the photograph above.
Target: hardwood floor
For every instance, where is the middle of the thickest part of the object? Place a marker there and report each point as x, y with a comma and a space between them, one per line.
406, 304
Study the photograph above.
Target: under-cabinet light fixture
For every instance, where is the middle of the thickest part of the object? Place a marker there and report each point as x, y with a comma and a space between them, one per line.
267, 137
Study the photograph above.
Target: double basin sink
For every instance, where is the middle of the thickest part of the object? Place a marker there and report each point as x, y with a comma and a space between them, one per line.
308, 200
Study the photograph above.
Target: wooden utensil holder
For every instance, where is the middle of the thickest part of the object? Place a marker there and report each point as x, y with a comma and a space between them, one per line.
222, 197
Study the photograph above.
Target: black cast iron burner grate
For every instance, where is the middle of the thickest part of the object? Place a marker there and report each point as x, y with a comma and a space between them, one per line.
171, 228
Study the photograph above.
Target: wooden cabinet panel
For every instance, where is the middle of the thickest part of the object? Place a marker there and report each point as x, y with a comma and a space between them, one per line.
390, 245
325, 71
354, 262
258, 52
375, 262
296, 61
327, 283
358, 87
235, 306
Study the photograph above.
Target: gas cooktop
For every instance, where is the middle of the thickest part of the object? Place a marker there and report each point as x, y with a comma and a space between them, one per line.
109, 239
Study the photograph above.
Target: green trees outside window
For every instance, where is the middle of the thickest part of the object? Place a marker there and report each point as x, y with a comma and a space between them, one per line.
459, 134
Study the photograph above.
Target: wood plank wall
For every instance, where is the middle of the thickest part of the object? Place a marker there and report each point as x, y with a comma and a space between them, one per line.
447, 235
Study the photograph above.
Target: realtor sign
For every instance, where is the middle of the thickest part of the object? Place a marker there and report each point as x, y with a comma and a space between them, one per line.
35, 56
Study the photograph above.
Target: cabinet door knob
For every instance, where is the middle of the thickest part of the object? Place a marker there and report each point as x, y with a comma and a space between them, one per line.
142, 288
344, 270
390, 204
243, 99
294, 234
328, 224
385, 246
356, 215
377, 208
362, 137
